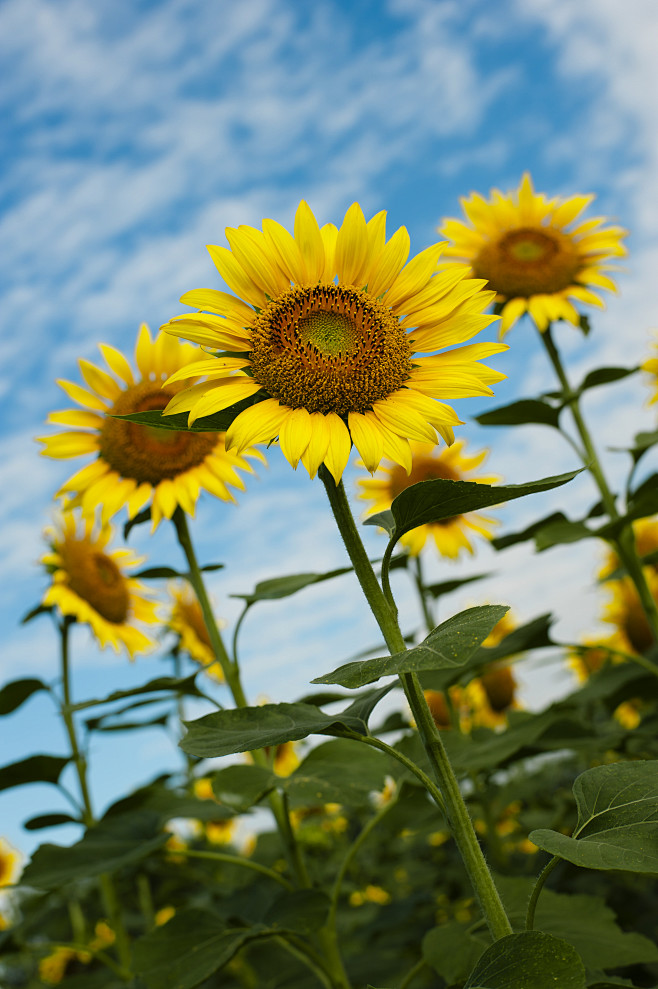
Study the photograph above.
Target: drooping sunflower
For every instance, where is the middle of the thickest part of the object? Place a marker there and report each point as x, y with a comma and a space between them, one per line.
529, 250
90, 584
186, 620
134, 464
326, 335
451, 535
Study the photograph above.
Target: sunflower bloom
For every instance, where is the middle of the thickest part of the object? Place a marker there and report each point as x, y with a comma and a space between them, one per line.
531, 253
452, 536
137, 465
90, 584
10, 863
186, 620
323, 334
624, 610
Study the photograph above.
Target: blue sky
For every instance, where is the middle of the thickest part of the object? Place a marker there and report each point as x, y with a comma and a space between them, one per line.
137, 131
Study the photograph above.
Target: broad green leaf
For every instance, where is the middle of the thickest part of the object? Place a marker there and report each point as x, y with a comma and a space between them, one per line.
531, 960
283, 587
173, 685
432, 501
385, 520
219, 422
512, 538
448, 586
585, 921
451, 951
364, 704
34, 769
448, 646
642, 443
524, 412
111, 844
240, 787
48, 821
617, 825
605, 376
17, 692
248, 728
337, 772
189, 948
558, 533
166, 803
304, 911
644, 500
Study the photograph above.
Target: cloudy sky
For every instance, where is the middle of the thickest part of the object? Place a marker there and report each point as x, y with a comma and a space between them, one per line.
137, 131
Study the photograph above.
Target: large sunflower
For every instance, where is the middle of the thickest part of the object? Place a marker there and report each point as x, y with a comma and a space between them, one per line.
90, 584
135, 464
324, 338
452, 536
532, 255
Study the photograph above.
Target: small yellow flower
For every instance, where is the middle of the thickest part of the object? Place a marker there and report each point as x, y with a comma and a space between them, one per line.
53, 967
651, 367
10, 863
90, 584
325, 334
286, 759
451, 535
371, 894
221, 831
163, 915
186, 620
527, 248
136, 465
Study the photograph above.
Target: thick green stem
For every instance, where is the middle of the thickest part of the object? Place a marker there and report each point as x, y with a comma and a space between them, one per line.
624, 542
458, 817
108, 890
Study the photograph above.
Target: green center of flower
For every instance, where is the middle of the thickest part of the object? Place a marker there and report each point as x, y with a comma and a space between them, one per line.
329, 348
529, 261
96, 578
148, 453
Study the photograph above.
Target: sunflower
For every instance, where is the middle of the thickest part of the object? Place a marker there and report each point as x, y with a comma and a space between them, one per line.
10, 863
134, 464
186, 620
651, 367
624, 610
451, 535
90, 584
324, 336
520, 244
645, 532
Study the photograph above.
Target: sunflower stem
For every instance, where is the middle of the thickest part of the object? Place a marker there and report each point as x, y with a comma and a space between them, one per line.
624, 542
108, 891
459, 820
539, 885
420, 587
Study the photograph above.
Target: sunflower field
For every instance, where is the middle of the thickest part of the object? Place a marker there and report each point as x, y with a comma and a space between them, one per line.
409, 821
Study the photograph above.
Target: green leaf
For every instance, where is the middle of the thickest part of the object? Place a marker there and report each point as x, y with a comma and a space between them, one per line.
219, 422
432, 501
283, 587
40, 609
139, 519
617, 825
158, 573
17, 692
166, 803
304, 911
173, 685
448, 586
642, 443
559, 533
240, 787
34, 769
604, 376
49, 821
337, 772
512, 538
248, 728
451, 951
448, 646
189, 948
111, 844
521, 413
644, 500
531, 960
385, 520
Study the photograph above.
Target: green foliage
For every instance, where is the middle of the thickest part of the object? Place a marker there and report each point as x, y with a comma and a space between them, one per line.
283, 587
524, 412
617, 825
529, 959
34, 769
14, 694
451, 644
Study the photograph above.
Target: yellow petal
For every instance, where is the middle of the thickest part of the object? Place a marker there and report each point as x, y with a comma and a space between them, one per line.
367, 438
568, 211
215, 367
248, 250
294, 435
221, 394
235, 276
389, 264
144, 352
340, 445
69, 444
215, 301
82, 396
138, 499
512, 312
413, 276
101, 382
329, 236
76, 417
287, 250
84, 477
403, 421
310, 242
351, 246
314, 453
116, 362
258, 424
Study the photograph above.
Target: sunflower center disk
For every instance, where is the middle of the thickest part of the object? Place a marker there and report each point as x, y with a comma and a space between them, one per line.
329, 349
96, 578
529, 261
148, 453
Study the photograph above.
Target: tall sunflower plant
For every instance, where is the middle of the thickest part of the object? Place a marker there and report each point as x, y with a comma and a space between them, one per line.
407, 823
